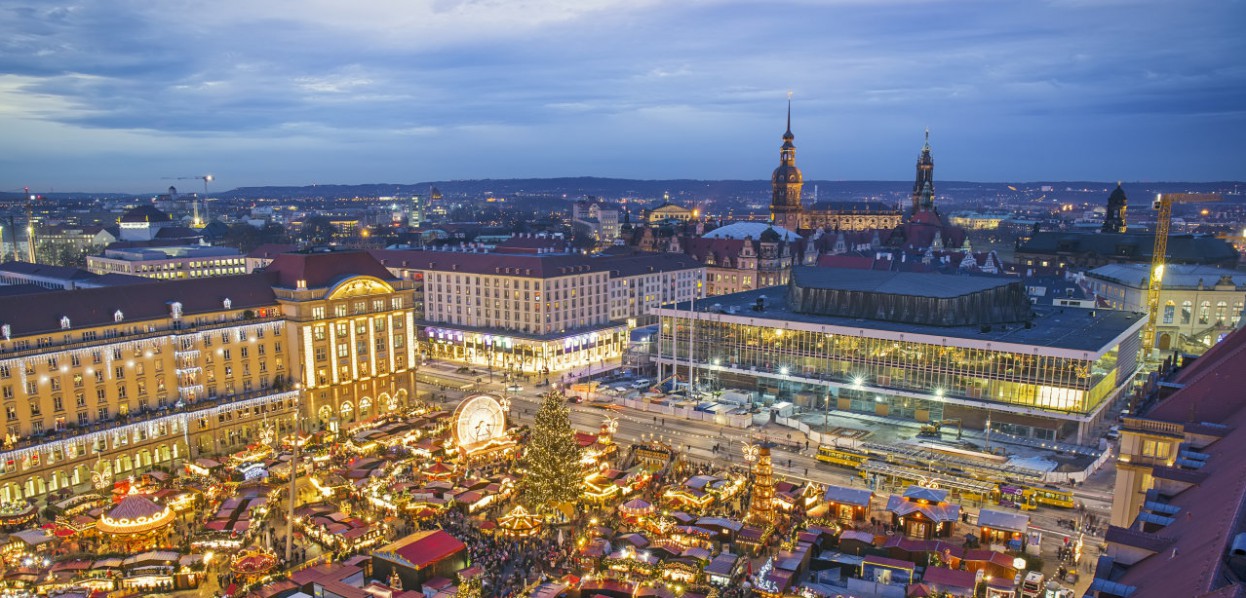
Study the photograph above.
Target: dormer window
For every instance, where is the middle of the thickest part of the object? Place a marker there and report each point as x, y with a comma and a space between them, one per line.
117, 316
64, 322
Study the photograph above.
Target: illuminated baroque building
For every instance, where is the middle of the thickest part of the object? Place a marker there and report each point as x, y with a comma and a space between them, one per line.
920, 346
106, 382
1198, 304
745, 256
787, 211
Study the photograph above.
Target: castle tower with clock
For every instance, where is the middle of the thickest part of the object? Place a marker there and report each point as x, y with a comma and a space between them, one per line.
786, 182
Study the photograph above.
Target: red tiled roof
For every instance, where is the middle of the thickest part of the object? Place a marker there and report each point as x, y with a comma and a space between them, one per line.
1136, 539
323, 269
96, 307
547, 265
948, 578
272, 250
423, 549
1198, 538
886, 562
1211, 385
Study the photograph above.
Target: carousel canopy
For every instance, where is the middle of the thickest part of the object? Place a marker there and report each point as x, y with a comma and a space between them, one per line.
637, 505
134, 514
519, 520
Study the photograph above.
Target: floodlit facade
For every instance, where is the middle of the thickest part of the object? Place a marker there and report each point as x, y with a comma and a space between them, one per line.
1198, 305
107, 382
539, 312
169, 263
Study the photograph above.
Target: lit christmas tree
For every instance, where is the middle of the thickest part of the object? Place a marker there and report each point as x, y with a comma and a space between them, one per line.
551, 458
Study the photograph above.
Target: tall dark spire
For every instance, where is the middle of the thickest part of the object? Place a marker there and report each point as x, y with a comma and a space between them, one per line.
787, 181
788, 134
923, 201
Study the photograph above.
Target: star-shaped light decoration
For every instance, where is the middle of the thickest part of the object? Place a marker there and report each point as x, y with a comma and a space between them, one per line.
612, 424
506, 404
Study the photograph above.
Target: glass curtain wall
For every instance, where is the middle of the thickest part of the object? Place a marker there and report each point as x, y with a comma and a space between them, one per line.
1031, 380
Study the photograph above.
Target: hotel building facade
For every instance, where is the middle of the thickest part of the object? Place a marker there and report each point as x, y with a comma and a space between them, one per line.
539, 312
108, 382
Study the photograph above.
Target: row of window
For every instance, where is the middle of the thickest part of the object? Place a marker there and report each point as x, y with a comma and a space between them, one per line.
346, 308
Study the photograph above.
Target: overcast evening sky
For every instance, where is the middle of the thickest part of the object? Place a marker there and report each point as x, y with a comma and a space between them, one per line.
113, 95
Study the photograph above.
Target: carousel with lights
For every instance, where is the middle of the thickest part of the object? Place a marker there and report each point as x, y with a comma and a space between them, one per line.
519, 523
135, 523
253, 563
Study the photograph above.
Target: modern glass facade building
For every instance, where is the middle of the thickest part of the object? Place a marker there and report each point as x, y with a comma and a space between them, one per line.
1050, 377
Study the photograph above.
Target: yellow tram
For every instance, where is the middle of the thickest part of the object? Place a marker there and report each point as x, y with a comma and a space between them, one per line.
843, 457
1026, 495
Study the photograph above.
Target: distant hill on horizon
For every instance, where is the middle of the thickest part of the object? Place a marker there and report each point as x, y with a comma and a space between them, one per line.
680, 189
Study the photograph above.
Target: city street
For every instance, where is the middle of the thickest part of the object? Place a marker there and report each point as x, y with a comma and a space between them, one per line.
794, 459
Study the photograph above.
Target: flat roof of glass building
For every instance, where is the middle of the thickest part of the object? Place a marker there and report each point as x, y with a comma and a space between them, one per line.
916, 284
1064, 328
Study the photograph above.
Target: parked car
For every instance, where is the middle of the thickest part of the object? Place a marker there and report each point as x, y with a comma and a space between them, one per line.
575, 399
1114, 433
514, 388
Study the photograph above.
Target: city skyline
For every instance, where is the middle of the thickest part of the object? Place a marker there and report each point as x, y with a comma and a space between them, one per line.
114, 97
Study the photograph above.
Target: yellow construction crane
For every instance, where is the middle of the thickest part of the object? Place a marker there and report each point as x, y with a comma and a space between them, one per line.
1159, 256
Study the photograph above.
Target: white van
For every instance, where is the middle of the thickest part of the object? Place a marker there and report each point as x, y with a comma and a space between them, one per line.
1032, 586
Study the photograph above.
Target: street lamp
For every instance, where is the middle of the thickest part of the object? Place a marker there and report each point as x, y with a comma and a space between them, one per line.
294, 474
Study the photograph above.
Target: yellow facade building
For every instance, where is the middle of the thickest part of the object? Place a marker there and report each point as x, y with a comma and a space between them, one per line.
98, 384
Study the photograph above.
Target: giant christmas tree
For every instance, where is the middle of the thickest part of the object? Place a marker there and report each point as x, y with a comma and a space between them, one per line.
551, 458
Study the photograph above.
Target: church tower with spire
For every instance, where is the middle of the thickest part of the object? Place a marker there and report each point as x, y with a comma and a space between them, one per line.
923, 189
786, 182
1114, 219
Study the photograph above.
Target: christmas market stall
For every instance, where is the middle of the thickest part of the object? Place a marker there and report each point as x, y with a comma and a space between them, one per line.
883, 570
726, 569
1002, 528
16, 515
923, 512
844, 503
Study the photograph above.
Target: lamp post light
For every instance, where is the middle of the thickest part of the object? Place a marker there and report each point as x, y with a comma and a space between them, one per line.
294, 474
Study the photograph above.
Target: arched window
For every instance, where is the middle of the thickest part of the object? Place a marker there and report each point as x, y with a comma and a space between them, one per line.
1222, 309
1186, 309
1169, 311
1204, 312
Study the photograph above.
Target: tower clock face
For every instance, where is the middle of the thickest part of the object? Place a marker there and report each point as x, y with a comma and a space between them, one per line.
479, 419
